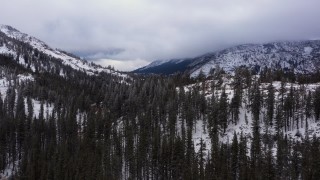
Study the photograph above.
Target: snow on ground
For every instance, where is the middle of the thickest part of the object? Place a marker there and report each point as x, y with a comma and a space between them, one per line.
9, 171
5, 82
201, 132
5, 50
47, 112
244, 125
245, 117
308, 50
68, 60
47, 109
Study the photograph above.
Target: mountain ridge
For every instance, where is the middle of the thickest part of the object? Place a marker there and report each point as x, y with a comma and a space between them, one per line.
300, 56
12, 38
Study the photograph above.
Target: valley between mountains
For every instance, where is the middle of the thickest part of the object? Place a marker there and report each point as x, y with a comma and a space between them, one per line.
247, 112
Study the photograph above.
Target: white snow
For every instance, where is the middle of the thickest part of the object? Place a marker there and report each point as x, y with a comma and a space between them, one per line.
245, 124
201, 132
308, 50
75, 63
5, 50
47, 109
273, 55
5, 82
9, 171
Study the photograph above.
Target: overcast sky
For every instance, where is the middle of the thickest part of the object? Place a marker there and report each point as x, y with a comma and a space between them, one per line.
136, 32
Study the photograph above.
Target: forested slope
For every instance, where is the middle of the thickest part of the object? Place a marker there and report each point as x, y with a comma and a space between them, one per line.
62, 122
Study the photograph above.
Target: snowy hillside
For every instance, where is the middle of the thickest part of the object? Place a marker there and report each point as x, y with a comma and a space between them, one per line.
301, 56
9, 88
295, 132
7, 47
56, 109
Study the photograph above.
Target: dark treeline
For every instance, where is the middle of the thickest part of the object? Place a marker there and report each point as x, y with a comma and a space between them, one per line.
99, 128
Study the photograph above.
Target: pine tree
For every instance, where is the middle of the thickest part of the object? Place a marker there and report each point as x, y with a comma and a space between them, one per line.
296, 161
270, 104
201, 157
178, 159
234, 157
268, 159
282, 91
256, 102
308, 108
243, 159
30, 112
315, 161
279, 121
21, 118
256, 139
223, 110
306, 159
234, 106
3, 142
316, 104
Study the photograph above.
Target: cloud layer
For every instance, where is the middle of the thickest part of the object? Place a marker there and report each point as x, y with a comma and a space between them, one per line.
152, 30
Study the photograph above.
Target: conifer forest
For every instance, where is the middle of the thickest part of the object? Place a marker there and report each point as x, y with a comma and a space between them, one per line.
103, 126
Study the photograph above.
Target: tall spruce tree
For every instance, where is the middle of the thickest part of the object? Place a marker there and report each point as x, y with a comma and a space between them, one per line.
270, 104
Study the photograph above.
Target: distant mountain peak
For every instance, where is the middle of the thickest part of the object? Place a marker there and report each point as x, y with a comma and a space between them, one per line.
301, 56
10, 47
7, 28
16, 34
13, 33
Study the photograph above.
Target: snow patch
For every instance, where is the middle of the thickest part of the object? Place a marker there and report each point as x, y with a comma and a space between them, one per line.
308, 50
201, 132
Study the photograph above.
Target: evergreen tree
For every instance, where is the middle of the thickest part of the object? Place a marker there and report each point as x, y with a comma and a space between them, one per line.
234, 157
296, 161
223, 110
256, 139
243, 159
316, 104
256, 102
315, 160
21, 118
306, 159
270, 104
201, 157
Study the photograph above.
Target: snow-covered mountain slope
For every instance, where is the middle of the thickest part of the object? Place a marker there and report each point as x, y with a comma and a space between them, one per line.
301, 56
294, 132
10, 37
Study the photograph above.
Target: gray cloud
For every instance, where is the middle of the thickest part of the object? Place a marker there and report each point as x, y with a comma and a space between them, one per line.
151, 30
